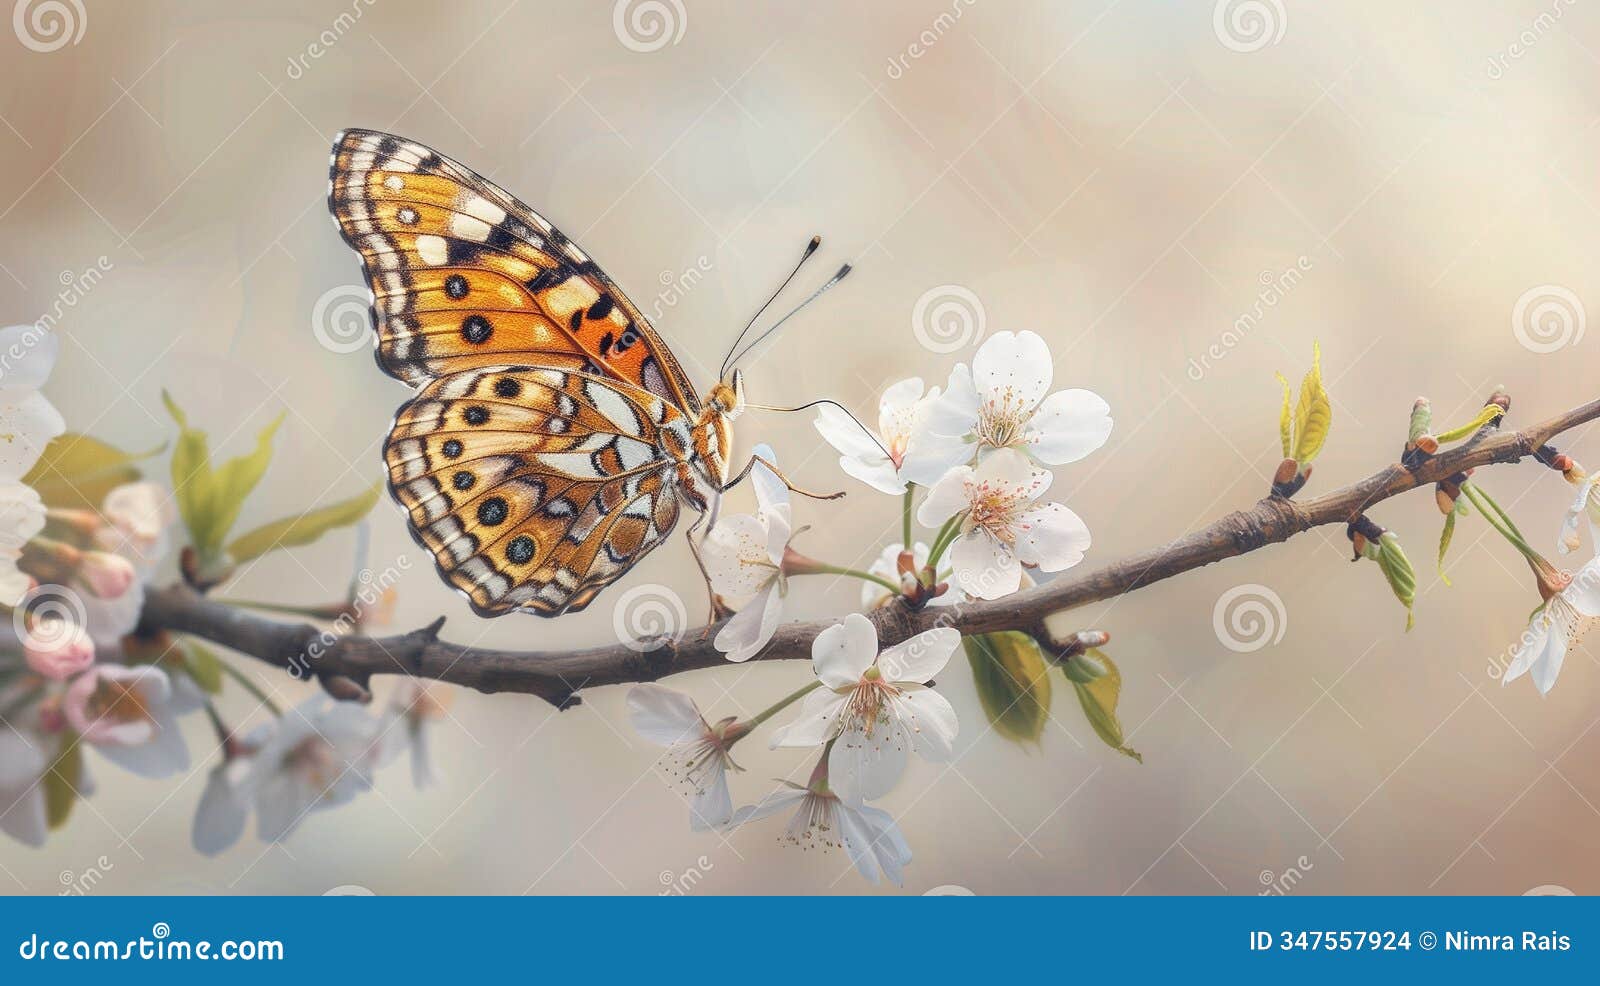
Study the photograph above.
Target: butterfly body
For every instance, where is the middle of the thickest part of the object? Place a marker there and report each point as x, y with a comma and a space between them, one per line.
553, 437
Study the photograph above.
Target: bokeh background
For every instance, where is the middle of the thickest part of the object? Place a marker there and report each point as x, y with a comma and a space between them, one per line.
1145, 184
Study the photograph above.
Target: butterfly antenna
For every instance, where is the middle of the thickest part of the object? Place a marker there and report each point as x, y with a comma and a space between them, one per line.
811, 248
835, 279
826, 400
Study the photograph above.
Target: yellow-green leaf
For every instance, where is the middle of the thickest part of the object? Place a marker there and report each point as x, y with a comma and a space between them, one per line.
1444, 542
305, 528
1285, 422
209, 500
203, 666
76, 471
1013, 683
1099, 699
1313, 414
62, 780
1398, 571
1490, 412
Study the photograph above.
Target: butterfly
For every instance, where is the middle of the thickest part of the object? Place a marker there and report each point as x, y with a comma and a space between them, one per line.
554, 436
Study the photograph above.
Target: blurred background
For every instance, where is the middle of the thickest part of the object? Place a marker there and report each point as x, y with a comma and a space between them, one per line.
1180, 198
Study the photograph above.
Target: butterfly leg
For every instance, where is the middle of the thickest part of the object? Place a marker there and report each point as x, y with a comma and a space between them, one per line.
686, 483
730, 484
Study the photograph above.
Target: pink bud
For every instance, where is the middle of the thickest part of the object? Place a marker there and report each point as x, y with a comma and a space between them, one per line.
59, 654
108, 576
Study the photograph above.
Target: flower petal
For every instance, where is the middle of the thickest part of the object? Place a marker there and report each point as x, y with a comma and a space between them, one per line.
1068, 426
947, 498
920, 658
771, 491
30, 421
930, 722
898, 397
1584, 590
955, 413
220, 819
842, 431
844, 651
737, 557
742, 637
773, 803
985, 567
663, 715
27, 355
1535, 639
1016, 365
817, 723
1051, 537
711, 807
863, 766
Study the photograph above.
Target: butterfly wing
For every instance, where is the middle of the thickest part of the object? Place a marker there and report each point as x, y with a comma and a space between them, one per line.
535, 488
464, 275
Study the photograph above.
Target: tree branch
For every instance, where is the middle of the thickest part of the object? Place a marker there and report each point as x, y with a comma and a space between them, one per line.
344, 664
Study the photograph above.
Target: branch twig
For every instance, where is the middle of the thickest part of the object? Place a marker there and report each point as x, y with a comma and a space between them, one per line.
345, 664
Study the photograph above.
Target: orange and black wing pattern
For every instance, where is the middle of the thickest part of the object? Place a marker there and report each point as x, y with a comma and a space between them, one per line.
463, 275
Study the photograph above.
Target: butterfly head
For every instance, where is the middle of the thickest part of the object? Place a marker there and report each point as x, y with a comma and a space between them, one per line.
727, 397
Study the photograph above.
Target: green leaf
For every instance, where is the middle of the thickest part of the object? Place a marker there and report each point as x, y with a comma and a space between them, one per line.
1490, 412
203, 666
1285, 421
62, 780
209, 500
76, 471
1313, 414
1013, 683
1444, 542
305, 528
1099, 699
1397, 569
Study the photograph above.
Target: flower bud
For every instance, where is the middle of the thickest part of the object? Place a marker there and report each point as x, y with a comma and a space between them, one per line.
1084, 668
58, 653
1421, 420
107, 576
1285, 472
